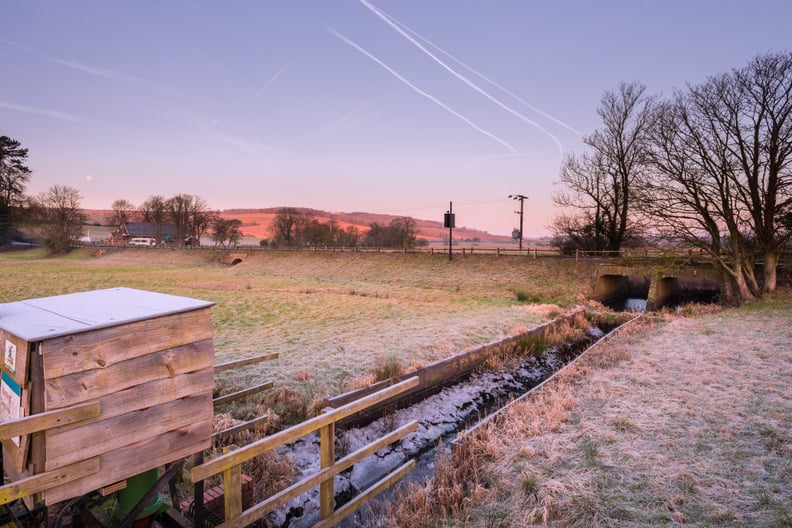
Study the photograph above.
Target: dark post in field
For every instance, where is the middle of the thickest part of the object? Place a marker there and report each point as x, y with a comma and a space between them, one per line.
449, 223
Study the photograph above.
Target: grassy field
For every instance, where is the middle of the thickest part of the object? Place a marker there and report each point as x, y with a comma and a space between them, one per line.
333, 318
684, 420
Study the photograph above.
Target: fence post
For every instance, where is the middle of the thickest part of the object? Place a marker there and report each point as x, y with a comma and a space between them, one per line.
577, 255
232, 489
534, 253
327, 459
198, 495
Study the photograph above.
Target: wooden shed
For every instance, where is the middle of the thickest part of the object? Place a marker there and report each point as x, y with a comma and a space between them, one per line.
147, 360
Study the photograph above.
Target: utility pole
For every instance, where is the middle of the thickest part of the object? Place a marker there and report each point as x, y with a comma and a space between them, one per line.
522, 199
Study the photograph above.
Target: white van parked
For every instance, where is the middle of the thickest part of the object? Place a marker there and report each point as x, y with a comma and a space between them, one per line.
143, 241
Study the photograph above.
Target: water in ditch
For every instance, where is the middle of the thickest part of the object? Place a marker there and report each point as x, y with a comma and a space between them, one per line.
439, 417
628, 305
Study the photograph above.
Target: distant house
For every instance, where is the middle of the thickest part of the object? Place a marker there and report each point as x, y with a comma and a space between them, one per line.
144, 230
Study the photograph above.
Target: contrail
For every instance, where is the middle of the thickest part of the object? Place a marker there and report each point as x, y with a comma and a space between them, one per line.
92, 70
482, 76
344, 118
272, 81
461, 77
42, 112
421, 92
249, 147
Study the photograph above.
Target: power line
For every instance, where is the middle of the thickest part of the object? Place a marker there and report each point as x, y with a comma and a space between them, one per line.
440, 206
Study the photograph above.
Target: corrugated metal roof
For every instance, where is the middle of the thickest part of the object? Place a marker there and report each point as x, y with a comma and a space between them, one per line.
49, 317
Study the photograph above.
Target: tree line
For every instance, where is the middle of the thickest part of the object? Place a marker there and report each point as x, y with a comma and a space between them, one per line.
59, 218
708, 166
292, 227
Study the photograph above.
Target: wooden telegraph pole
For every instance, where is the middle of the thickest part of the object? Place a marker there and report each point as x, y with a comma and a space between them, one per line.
522, 199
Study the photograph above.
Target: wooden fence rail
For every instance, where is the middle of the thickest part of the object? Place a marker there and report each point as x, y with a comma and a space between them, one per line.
39, 482
230, 463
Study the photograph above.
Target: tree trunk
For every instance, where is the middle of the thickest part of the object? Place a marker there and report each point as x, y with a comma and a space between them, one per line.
742, 290
770, 270
750, 278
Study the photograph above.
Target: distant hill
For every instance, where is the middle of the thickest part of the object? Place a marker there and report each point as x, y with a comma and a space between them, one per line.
256, 223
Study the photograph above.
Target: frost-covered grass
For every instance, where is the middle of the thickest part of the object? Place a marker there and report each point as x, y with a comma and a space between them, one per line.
684, 420
332, 317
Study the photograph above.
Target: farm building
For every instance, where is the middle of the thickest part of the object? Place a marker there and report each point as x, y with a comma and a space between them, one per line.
166, 233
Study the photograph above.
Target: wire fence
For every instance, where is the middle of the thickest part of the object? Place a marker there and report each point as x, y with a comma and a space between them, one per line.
536, 252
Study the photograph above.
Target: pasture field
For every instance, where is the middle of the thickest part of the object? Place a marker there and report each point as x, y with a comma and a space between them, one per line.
332, 317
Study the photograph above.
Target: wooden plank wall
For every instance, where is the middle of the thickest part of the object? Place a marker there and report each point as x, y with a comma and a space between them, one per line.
154, 380
16, 454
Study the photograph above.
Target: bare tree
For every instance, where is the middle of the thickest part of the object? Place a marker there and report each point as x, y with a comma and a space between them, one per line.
284, 226
178, 211
122, 210
377, 235
572, 232
201, 219
691, 196
721, 177
62, 218
154, 211
226, 230
400, 233
602, 183
349, 237
404, 232
755, 121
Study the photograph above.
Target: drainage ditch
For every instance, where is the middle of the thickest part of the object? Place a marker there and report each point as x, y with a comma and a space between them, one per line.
450, 409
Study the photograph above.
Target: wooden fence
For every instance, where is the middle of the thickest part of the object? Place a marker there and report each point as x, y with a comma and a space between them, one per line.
230, 464
37, 483
457, 249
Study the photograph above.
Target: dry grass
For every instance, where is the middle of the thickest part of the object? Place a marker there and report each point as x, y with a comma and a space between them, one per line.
455, 486
271, 472
387, 367
683, 420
